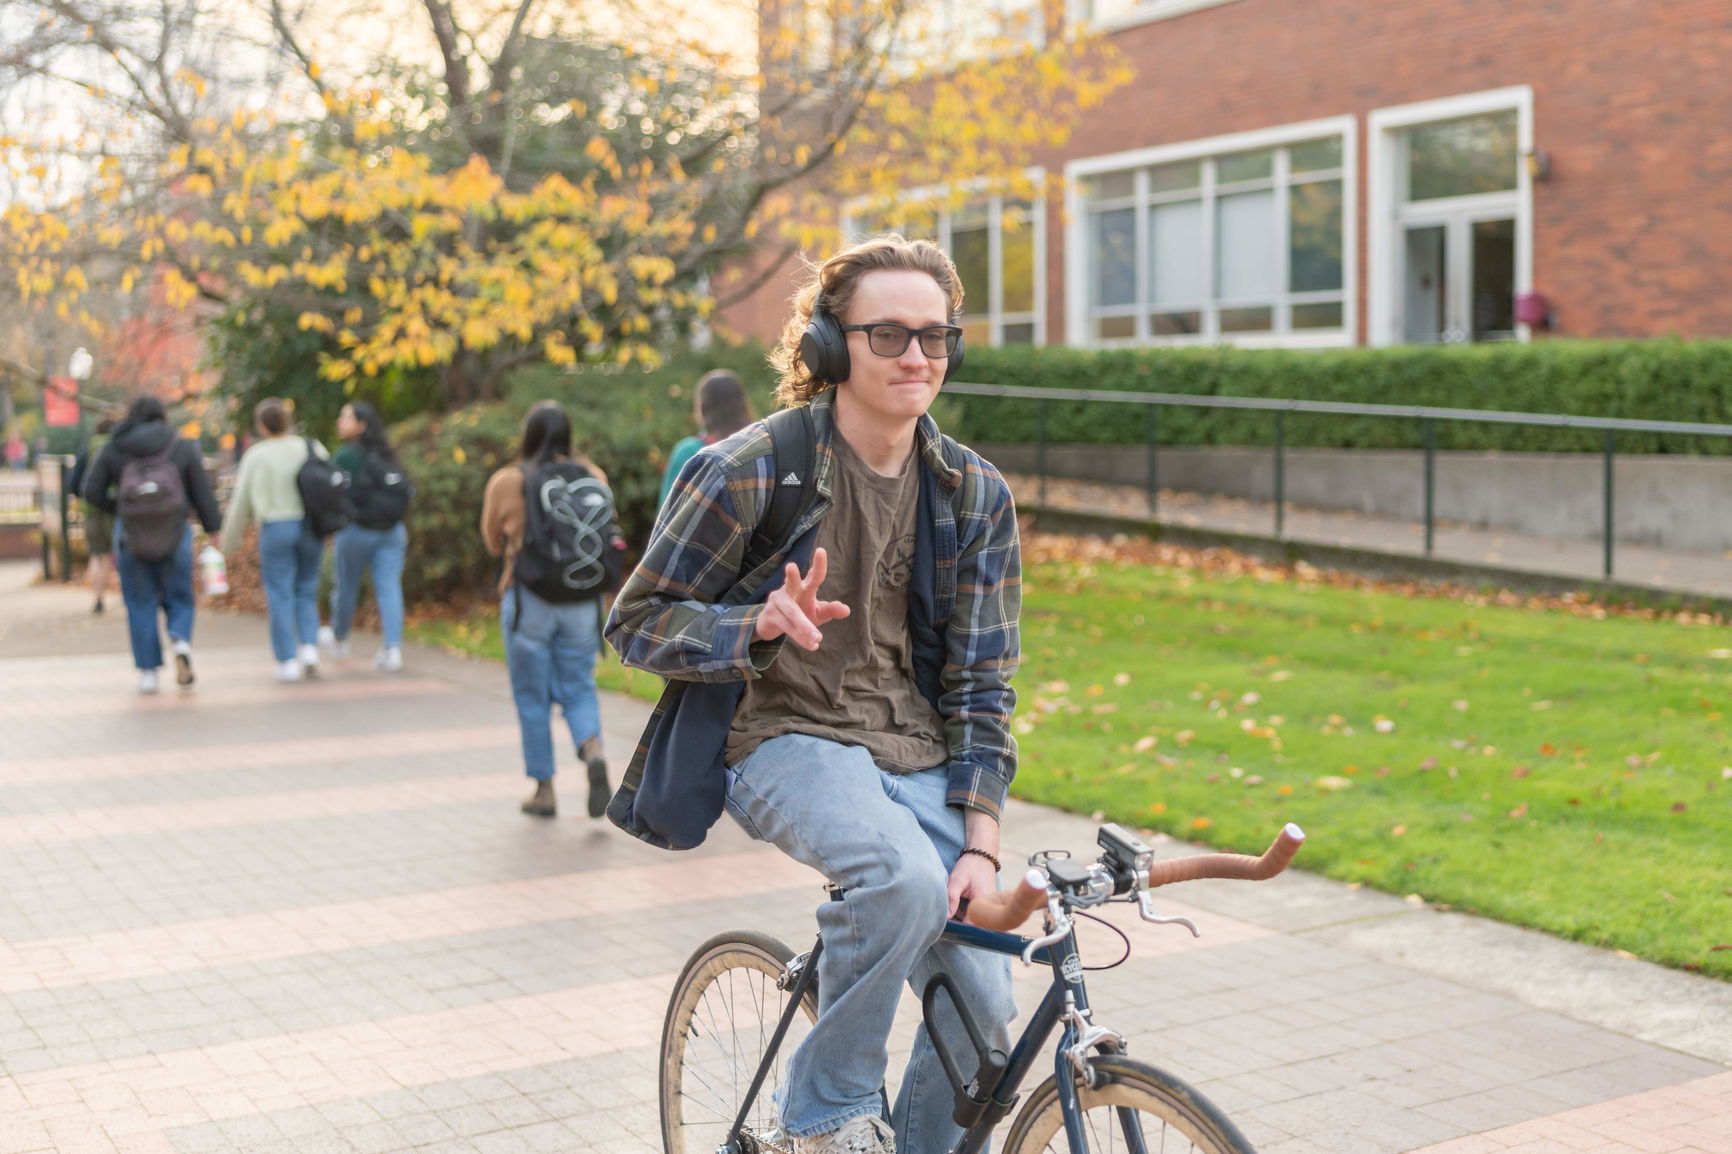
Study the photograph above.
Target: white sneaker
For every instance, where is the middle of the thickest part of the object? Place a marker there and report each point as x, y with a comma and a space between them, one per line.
867, 1134
289, 670
309, 658
327, 637
340, 649
147, 681
389, 660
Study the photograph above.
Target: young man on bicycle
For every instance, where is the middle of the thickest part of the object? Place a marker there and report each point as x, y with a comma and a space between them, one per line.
847, 697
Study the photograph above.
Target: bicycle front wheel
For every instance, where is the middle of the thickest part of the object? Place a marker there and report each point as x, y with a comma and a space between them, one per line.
1133, 1107
720, 1020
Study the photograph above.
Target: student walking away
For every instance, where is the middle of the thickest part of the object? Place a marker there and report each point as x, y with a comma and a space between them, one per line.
376, 541
269, 491
550, 517
148, 480
721, 409
98, 526
840, 677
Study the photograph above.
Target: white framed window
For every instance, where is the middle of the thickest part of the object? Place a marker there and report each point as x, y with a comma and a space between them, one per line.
998, 244
1111, 15
1242, 239
1451, 220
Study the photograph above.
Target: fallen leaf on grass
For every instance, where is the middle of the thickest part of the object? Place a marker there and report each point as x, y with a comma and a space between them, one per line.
1201, 823
1144, 744
1520, 810
1398, 831
1383, 725
1721, 946
1332, 783
1121, 679
1679, 807
1520, 771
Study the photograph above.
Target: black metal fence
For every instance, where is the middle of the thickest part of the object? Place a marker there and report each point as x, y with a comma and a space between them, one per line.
1429, 419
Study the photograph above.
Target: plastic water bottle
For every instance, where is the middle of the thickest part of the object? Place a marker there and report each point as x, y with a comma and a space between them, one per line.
214, 571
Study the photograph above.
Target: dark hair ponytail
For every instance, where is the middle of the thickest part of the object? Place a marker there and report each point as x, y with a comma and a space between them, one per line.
375, 442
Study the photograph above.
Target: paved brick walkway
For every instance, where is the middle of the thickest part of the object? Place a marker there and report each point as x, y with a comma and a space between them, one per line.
310, 919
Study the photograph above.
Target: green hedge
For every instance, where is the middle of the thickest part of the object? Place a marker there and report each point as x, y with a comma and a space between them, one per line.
626, 420
1670, 380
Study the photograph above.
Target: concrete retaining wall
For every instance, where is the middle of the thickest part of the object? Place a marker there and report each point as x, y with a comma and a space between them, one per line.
1669, 502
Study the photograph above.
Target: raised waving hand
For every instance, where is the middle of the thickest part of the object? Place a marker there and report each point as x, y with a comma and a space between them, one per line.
795, 611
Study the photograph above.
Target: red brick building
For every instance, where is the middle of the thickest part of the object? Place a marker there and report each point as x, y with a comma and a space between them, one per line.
1306, 173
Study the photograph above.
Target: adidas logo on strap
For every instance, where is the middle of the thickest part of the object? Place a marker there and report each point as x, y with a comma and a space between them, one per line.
791, 478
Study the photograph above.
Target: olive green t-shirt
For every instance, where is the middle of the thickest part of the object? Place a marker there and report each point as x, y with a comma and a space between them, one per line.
858, 687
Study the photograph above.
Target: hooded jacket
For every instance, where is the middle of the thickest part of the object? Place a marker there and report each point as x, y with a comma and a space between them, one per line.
145, 439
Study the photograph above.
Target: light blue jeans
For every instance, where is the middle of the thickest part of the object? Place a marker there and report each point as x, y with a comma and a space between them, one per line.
289, 558
379, 551
150, 586
550, 653
890, 841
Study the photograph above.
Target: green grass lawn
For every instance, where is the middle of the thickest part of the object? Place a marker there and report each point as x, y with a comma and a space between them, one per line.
1538, 766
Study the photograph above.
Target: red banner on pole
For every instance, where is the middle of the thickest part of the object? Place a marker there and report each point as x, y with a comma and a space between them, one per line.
60, 402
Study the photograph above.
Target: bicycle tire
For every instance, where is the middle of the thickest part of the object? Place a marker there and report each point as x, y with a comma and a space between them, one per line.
721, 1016
1184, 1122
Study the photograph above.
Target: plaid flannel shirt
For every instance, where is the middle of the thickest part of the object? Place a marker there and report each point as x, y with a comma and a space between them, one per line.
670, 617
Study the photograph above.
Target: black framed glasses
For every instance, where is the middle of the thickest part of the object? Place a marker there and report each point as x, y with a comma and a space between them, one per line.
888, 339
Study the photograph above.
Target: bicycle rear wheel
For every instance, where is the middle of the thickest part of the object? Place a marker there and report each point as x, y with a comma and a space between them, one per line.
720, 1019
1131, 1101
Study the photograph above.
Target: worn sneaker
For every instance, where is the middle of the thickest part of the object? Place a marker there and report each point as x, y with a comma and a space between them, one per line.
867, 1134
183, 663
389, 660
289, 670
147, 681
309, 659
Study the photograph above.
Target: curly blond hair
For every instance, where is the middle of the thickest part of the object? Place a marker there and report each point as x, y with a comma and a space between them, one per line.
831, 286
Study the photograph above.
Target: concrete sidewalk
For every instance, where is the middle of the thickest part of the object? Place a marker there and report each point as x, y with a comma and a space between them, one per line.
309, 918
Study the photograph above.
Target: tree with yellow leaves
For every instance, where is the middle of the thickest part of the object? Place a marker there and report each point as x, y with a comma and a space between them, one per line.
530, 191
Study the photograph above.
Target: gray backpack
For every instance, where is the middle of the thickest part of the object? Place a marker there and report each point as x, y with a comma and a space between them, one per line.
152, 505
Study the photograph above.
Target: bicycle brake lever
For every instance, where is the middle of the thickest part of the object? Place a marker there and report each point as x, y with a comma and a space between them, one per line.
1060, 927
1146, 907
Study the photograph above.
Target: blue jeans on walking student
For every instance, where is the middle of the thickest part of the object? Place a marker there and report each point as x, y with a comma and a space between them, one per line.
890, 841
379, 551
550, 653
289, 558
149, 586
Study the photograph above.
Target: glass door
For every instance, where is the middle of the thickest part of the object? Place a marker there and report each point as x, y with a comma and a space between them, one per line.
1458, 279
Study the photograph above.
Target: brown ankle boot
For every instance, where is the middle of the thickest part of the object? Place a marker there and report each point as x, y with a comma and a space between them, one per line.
541, 802
596, 765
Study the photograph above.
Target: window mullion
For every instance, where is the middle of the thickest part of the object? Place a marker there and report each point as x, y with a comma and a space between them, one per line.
1283, 242
995, 269
1211, 325
1144, 274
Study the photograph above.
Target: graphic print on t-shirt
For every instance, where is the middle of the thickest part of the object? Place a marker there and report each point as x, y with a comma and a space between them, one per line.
896, 564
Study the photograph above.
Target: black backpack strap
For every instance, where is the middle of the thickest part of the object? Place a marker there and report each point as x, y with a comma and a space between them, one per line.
793, 460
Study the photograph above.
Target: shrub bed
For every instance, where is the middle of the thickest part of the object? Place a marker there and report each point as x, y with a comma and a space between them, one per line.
1671, 380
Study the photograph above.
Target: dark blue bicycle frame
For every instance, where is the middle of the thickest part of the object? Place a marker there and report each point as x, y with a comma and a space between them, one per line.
1067, 973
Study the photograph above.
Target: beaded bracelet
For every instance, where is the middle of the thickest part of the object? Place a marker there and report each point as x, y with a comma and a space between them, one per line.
996, 867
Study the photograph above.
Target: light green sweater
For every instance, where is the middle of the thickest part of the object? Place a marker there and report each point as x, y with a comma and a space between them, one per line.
265, 488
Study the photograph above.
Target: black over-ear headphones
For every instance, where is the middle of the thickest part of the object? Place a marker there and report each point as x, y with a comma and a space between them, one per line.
824, 350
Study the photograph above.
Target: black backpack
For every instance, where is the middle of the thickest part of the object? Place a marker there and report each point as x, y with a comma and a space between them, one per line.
381, 492
325, 494
572, 546
151, 502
